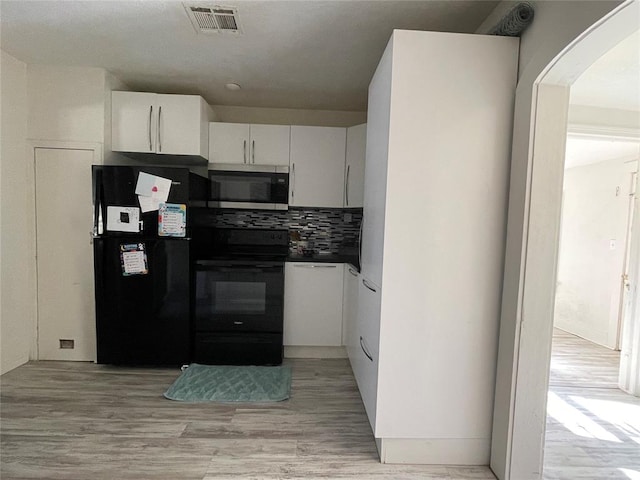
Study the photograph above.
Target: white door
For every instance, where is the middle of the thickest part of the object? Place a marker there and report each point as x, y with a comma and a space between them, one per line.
625, 284
270, 144
228, 142
629, 375
133, 121
64, 254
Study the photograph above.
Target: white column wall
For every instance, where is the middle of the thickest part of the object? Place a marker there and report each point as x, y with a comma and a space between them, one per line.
17, 267
556, 25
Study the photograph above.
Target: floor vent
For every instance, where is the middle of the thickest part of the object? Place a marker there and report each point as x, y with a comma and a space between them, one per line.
214, 19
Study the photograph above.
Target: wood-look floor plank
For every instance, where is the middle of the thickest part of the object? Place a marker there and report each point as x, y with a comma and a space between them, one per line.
72, 421
593, 428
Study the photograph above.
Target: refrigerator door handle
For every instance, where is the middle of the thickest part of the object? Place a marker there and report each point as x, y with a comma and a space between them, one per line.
98, 227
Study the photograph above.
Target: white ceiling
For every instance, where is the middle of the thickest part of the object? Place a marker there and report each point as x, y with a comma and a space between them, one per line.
293, 54
613, 81
582, 150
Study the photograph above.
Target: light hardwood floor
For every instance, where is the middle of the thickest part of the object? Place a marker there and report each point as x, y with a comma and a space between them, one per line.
593, 429
83, 421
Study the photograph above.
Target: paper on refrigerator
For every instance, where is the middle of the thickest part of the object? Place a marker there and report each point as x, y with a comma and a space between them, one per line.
123, 219
152, 191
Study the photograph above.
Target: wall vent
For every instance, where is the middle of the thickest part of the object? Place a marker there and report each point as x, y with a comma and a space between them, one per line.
214, 19
67, 343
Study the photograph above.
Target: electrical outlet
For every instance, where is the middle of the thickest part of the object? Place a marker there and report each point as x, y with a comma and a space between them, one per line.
348, 217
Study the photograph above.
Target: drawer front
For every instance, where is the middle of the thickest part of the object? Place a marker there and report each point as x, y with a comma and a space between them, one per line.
365, 347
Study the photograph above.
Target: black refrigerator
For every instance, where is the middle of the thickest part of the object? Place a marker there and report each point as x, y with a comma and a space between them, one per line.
142, 317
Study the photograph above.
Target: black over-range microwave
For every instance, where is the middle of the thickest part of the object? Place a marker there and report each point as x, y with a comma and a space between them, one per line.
263, 187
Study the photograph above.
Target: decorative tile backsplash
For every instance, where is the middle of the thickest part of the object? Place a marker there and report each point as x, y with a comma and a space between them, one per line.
329, 230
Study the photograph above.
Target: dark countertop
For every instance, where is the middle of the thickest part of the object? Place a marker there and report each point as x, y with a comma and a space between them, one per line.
326, 258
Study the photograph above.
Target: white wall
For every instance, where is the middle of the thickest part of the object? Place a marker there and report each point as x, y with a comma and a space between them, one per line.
288, 116
17, 267
66, 103
516, 445
595, 209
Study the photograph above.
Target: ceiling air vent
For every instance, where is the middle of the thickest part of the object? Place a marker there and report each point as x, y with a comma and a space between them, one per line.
214, 19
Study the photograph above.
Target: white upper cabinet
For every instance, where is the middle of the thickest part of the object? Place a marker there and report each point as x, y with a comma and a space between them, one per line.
228, 142
133, 122
270, 144
354, 166
160, 124
317, 166
313, 304
242, 143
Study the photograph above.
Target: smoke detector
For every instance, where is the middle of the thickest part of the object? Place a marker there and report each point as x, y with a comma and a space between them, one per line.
214, 18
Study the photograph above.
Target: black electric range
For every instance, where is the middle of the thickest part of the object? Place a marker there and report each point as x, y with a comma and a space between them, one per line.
238, 295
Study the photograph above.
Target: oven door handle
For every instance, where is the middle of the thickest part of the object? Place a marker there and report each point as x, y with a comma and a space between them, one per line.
238, 268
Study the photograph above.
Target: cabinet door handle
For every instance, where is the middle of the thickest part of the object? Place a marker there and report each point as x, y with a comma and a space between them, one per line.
352, 272
253, 151
293, 181
306, 265
238, 323
150, 140
366, 284
346, 186
364, 349
159, 129
244, 152
360, 242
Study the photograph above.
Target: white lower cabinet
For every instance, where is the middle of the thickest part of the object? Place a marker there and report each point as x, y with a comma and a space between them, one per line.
365, 346
349, 306
313, 304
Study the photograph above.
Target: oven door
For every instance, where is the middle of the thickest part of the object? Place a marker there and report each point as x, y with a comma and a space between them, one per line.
239, 296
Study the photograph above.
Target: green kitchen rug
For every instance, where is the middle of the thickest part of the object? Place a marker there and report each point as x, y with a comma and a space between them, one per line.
226, 383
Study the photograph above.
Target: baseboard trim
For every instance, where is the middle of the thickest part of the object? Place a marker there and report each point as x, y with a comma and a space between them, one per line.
314, 352
435, 451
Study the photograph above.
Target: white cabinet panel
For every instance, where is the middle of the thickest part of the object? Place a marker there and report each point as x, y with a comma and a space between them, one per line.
270, 144
366, 352
159, 124
179, 124
354, 166
350, 308
435, 195
133, 124
317, 166
375, 174
228, 142
313, 304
